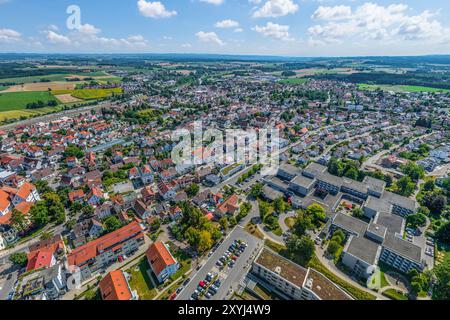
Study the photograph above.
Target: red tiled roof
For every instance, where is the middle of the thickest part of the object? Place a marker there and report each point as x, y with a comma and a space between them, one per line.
25, 190
24, 207
229, 205
159, 257
91, 249
114, 286
39, 259
76, 195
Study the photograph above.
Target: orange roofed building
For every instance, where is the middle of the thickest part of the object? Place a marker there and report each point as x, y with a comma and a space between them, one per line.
161, 261
98, 254
21, 198
115, 286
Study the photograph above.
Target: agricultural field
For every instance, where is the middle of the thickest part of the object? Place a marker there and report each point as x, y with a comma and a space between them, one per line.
293, 81
98, 75
19, 100
88, 94
399, 88
42, 86
26, 113
317, 71
67, 98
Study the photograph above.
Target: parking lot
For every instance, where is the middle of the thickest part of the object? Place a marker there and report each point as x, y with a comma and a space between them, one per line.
229, 276
418, 238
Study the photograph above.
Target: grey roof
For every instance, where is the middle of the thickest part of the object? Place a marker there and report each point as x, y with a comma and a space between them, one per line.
350, 224
378, 205
51, 273
290, 169
375, 184
363, 249
278, 182
303, 181
377, 229
329, 178
401, 201
355, 185
271, 193
315, 168
403, 248
392, 222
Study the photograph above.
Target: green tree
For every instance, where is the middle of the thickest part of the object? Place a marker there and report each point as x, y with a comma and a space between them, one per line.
334, 248
43, 187
429, 185
335, 167
263, 210
302, 223
192, 190
279, 205
416, 220
317, 213
73, 151
339, 236
112, 224
358, 212
405, 186
443, 233
256, 190
441, 289
205, 241
39, 214
18, 220
435, 202
414, 171
352, 173
19, 258
224, 223
301, 249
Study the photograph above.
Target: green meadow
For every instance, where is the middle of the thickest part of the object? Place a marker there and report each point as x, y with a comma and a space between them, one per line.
399, 88
19, 100
89, 94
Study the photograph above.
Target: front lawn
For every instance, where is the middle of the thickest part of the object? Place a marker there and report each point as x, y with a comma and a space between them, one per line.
140, 281
395, 295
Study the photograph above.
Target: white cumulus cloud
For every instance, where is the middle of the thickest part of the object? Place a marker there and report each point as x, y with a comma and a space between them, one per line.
154, 9
228, 23
276, 8
211, 37
274, 30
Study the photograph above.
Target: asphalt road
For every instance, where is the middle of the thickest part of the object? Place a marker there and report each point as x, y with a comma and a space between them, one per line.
6, 285
230, 277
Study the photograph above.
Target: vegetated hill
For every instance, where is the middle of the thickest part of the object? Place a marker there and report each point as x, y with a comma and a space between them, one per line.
441, 81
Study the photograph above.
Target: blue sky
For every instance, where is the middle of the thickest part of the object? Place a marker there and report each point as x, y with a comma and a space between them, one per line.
266, 27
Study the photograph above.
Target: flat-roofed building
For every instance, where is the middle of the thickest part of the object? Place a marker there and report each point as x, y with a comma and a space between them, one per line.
401, 254
302, 185
288, 172
361, 256
293, 280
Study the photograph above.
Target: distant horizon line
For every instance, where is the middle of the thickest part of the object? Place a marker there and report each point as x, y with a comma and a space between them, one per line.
224, 55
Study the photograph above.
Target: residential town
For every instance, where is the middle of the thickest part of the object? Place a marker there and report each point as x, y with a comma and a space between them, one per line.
94, 207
